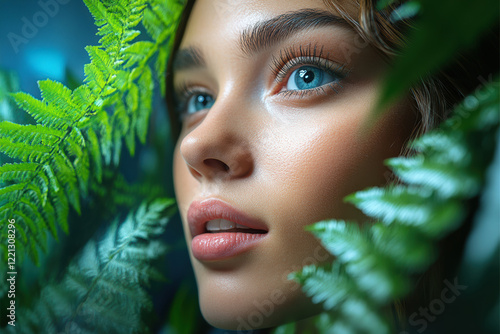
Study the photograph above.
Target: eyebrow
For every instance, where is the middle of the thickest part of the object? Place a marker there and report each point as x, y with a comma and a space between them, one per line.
188, 58
272, 31
264, 34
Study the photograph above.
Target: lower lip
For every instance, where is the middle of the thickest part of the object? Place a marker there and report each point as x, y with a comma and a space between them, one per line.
220, 246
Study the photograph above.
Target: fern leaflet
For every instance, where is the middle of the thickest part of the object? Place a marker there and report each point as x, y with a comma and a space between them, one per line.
103, 288
80, 132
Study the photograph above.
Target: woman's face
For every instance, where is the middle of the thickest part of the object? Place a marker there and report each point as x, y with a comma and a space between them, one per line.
274, 97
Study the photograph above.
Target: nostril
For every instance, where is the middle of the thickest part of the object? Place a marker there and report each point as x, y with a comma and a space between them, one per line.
216, 165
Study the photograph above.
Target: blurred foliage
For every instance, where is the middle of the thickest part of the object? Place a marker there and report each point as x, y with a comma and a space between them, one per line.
184, 317
376, 263
8, 83
103, 288
443, 29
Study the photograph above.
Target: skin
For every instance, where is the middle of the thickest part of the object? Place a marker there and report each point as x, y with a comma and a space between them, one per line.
286, 159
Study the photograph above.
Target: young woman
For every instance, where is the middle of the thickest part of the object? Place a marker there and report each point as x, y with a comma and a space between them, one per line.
273, 99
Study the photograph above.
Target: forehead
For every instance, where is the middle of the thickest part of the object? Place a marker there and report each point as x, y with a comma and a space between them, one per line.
226, 19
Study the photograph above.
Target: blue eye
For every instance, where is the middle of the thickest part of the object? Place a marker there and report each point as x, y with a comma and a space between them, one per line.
309, 77
199, 101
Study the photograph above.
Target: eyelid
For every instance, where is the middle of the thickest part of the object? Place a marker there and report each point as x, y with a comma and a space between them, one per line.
183, 92
322, 63
311, 52
293, 57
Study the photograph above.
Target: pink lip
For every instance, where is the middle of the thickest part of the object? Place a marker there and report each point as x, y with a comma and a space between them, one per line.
217, 246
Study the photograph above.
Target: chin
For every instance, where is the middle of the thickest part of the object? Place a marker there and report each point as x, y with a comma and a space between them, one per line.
246, 311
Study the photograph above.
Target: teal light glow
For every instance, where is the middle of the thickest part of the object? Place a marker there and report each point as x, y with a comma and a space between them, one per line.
46, 63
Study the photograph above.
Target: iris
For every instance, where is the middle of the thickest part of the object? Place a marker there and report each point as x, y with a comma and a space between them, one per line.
309, 77
199, 102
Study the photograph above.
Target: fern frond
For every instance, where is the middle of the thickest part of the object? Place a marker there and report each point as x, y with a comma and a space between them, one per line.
103, 288
145, 84
54, 150
351, 310
56, 95
371, 269
409, 206
135, 51
94, 153
162, 22
375, 263
41, 112
80, 131
435, 175
12, 172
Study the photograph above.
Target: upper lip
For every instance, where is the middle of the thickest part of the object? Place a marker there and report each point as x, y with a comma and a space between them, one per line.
200, 212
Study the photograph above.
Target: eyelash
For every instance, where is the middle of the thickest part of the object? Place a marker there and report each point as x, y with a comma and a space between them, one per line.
182, 95
293, 57
281, 66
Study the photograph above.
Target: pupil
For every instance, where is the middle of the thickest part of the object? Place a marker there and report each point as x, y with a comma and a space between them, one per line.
307, 75
202, 100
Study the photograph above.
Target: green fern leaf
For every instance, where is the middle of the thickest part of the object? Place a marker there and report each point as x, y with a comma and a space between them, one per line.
333, 287
130, 135
435, 175
42, 113
22, 151
58, 96
97, 10
35, 222
404, 245
135, 52
5, 215
99, 73
13, 172
82, 130
325, 285
11, 192
409, 206
61, 207
152, 23
130, 35
61, 164
146, 86
35, 135
161, 65
103, 129
74, 150
103, 288
31, 230
371, 270
81, 97
95, 80
444, 147
94, 153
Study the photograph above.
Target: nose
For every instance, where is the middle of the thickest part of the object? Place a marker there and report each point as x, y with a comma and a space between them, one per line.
218, 148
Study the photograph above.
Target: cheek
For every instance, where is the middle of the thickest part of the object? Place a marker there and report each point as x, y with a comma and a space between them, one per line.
321, 164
